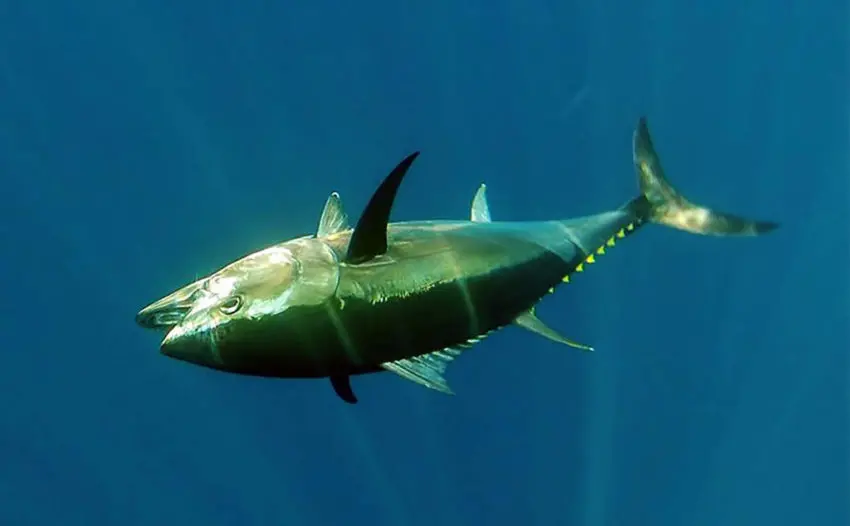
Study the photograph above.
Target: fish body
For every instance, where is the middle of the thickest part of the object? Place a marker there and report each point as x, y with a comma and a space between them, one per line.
405, 297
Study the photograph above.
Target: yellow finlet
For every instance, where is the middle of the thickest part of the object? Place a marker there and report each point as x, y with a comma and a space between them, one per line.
601, 250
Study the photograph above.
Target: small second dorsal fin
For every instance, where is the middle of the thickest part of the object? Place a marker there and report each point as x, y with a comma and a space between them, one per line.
334, 218
369, 238
528, 320
480, 212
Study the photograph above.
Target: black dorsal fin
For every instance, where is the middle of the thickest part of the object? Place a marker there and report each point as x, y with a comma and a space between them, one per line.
369, 238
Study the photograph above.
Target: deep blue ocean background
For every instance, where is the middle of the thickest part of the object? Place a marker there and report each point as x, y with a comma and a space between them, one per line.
144, 143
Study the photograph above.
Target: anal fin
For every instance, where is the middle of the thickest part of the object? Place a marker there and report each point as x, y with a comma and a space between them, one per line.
426, 369
342, 388
528, 320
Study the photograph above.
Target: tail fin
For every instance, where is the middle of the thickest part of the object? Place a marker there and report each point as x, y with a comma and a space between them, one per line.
667, 206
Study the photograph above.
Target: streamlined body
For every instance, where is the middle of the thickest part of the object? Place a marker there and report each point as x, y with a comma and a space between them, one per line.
404, 297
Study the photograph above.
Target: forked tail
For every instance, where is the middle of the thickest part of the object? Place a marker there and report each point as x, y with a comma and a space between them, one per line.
663, 204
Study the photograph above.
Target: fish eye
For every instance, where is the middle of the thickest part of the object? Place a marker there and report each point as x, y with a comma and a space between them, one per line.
231, 305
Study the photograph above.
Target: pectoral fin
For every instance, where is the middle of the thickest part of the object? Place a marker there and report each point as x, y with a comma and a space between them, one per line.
531, 322
426, 370
342, 388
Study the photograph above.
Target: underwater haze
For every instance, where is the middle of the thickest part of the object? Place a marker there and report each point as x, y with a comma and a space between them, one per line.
146, 143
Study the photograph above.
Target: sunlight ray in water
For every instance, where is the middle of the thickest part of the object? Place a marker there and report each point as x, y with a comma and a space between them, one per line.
163, 73
436, 446
142, 141
600, 456
393, 503
781, 342
155, 56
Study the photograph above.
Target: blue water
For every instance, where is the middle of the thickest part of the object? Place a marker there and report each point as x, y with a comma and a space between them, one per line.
145, 143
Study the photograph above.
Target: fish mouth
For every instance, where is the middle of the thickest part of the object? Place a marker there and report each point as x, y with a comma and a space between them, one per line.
169, 311
164, 319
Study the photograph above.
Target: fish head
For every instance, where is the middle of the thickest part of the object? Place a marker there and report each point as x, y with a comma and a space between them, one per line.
246, 301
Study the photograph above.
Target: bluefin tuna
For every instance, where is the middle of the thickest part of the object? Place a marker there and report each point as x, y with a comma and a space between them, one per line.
406, 297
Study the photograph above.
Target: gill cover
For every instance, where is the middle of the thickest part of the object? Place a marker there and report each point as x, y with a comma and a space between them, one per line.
318, 276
